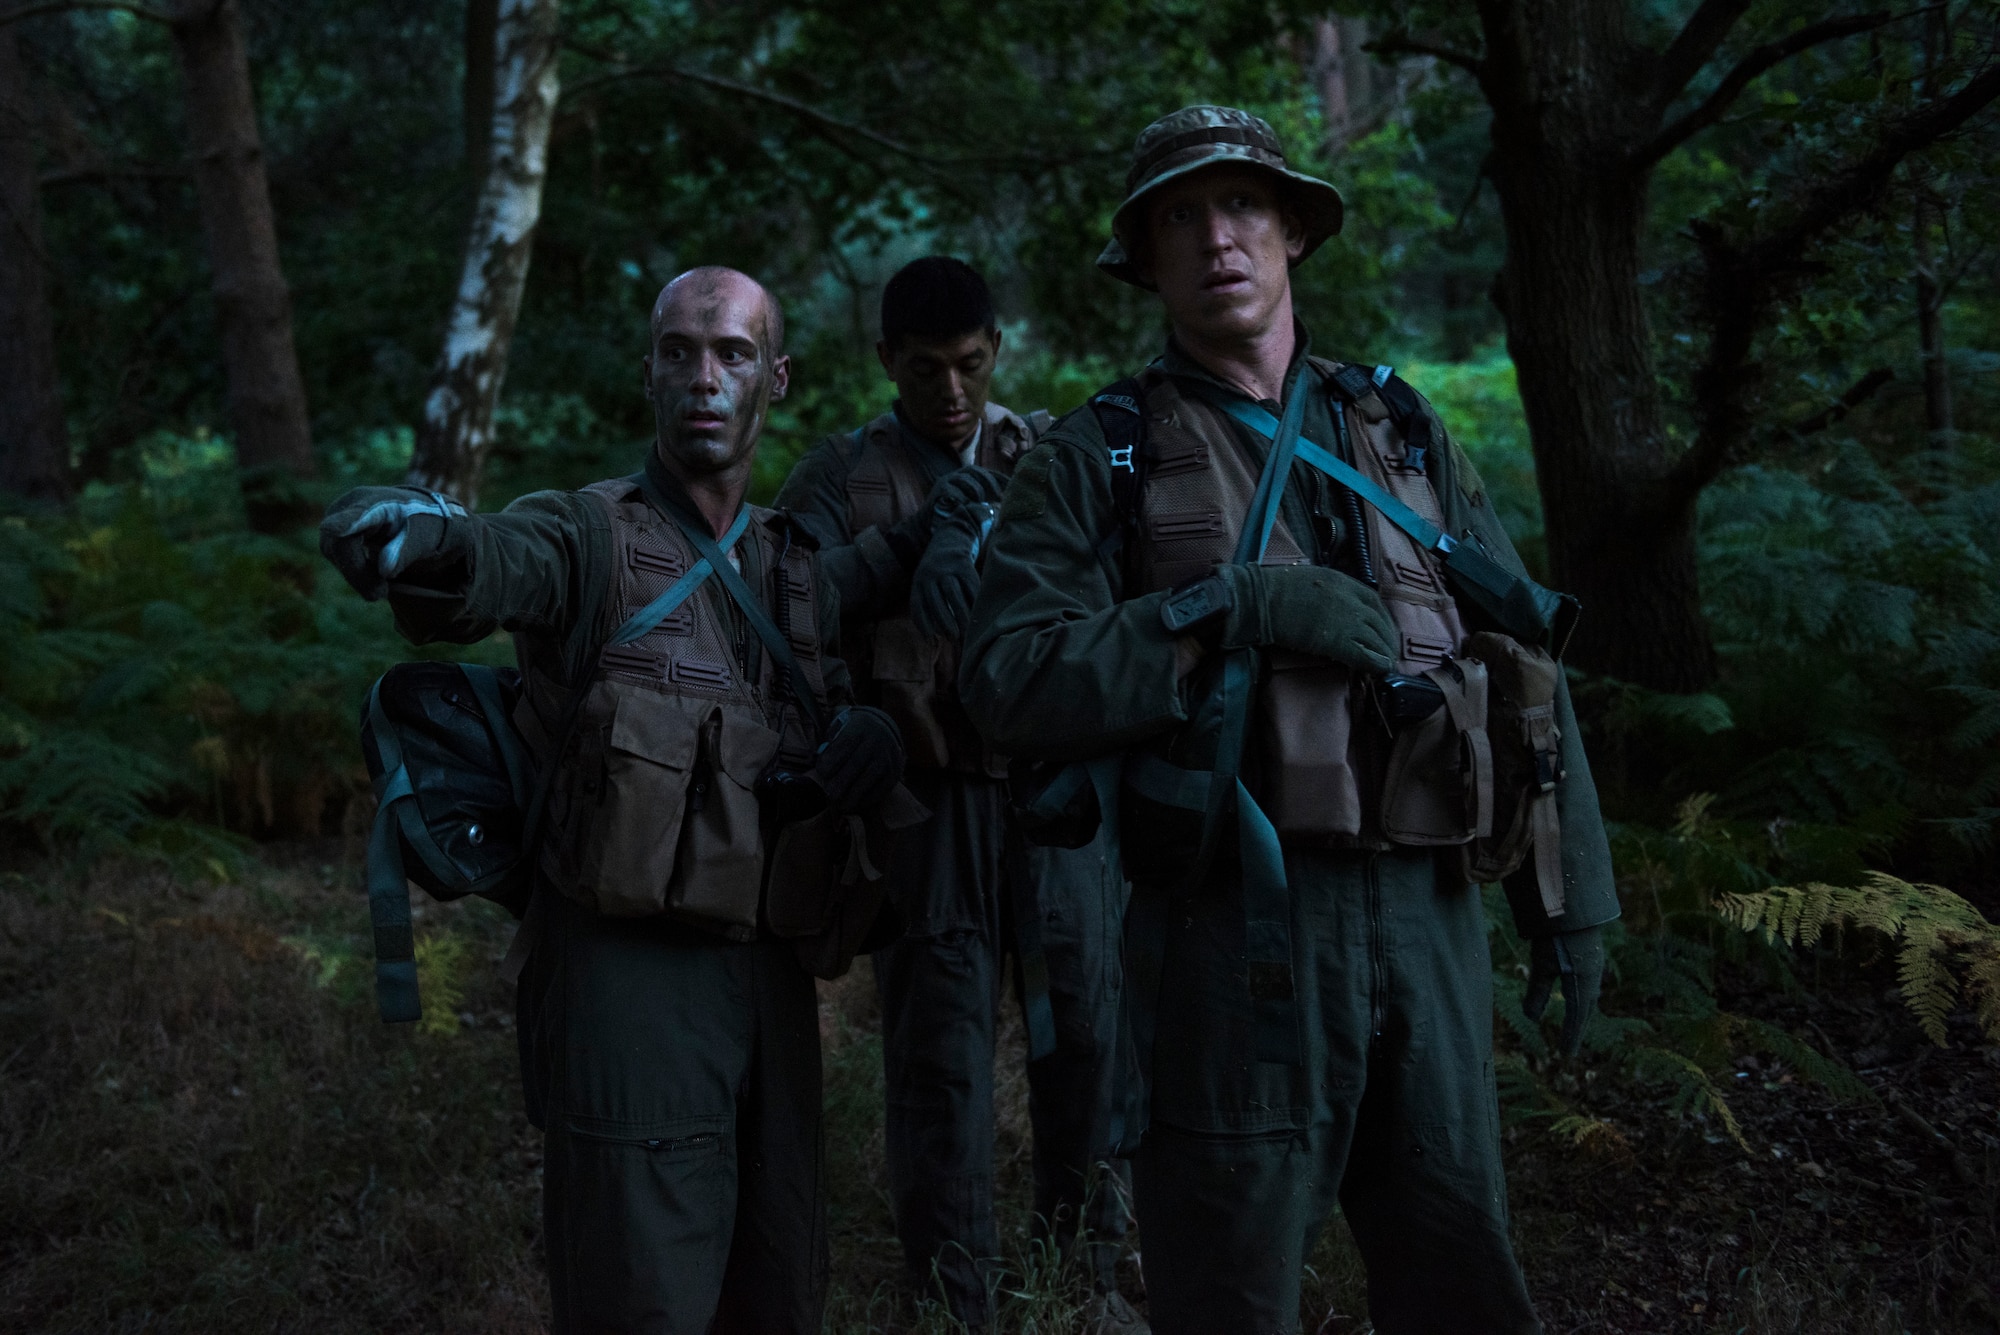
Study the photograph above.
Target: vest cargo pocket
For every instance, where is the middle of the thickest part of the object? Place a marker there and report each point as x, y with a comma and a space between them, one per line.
1307, 722
721, 857
906, 671
1439, 789
628, 854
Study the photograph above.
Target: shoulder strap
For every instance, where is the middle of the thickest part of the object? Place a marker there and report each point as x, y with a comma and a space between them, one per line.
739, 593
1121, 415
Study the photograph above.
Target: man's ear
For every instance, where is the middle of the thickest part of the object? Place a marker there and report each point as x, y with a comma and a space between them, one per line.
646, 374
998, 335
887, 356
781, 377
1295, 235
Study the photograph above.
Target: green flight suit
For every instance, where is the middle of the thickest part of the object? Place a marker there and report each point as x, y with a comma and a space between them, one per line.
972, 892
675, 1073
1391, 1109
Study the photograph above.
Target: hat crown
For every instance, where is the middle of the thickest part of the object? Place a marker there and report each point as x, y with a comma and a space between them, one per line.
1202, 126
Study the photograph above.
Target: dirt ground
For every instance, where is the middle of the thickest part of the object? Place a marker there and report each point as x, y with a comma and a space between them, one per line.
203, 1127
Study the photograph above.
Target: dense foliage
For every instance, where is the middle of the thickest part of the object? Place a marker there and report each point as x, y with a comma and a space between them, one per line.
176, 684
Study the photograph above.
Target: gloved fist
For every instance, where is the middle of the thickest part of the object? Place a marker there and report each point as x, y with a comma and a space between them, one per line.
1576, 960
373, 534
861, 760
966, 486
910, 536
1309, 610
947, 580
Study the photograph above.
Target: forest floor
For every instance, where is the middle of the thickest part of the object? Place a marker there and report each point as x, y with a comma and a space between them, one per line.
203, 1127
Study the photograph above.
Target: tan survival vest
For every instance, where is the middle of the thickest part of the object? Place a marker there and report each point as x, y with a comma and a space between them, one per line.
1321, 779
653, 808
911, 676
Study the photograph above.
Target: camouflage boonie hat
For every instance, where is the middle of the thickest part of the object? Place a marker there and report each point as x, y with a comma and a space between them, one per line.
1203, 136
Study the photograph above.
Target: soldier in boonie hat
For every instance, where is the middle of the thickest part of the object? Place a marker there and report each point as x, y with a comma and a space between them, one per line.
1205, 590
1205, 136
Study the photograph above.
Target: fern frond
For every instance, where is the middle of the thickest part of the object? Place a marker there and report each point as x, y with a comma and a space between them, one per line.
1830, 1073
1927, 986
1694, 1089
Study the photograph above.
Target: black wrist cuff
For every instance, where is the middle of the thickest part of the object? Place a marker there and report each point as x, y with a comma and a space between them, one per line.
1197, 605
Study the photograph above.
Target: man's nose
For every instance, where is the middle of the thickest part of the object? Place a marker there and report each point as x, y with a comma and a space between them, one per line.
954, 385
707, 373
1215, 233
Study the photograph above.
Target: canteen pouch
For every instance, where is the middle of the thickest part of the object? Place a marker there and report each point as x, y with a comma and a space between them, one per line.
1305, 733
1439, 788
1527, 766
826, 894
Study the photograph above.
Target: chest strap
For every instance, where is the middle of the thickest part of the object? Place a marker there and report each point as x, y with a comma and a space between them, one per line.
739, 592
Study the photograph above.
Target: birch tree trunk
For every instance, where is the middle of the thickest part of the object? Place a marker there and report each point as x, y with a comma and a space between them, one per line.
253, 306
457, 427
34, 446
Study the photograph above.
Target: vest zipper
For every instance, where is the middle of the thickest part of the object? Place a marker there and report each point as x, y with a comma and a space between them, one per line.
1355, 520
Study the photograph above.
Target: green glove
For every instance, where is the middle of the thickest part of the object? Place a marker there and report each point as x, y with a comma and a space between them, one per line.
372, 535
861, 761
1576, 959
946, 581
1309, 610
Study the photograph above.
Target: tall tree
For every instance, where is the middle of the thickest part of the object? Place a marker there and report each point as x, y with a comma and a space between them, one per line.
34, 447
482, 19
267, 399
1583, 111
457, 427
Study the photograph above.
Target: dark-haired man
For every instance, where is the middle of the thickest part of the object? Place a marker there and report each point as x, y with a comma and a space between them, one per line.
901, 507
1267, 590
676, 646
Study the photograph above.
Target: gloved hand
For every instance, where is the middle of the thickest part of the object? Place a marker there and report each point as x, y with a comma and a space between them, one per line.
947, 579
1576, 959
910, 536
1309, 610
861, 760
373, 534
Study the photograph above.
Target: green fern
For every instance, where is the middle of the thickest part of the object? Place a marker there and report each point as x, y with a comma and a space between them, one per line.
1935, 928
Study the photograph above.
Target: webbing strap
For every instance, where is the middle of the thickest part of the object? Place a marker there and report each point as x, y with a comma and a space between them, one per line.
388, 887
1524, 609
739, 592
652, 614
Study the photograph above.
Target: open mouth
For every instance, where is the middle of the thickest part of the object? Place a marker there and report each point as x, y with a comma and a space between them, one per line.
1228, 278
702, 418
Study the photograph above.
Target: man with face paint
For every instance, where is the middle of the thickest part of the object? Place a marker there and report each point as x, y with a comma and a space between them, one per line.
669, 1035
901, 507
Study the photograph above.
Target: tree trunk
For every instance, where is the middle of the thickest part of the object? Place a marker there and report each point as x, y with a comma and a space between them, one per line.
482, 17
1930, 329
1582, 345
34, 445
267, 399
1328, 72
457, 428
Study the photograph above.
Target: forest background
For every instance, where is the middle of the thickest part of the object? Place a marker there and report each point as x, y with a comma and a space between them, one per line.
1706, 290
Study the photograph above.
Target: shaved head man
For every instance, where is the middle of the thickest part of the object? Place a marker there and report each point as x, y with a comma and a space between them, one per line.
670, 1039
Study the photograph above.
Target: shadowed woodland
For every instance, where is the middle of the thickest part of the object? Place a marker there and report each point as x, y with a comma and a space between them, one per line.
1709, 291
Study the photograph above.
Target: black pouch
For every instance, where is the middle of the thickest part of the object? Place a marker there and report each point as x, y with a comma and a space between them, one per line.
1053, 804
454, 787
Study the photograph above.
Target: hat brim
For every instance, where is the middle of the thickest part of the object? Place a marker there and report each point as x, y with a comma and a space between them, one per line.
1317, 203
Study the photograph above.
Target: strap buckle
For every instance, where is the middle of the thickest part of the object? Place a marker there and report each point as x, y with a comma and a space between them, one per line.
1122, 458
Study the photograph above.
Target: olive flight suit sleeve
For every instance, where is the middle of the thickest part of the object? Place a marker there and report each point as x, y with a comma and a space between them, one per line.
539, 567
1056, 666
871, 580
1590, 891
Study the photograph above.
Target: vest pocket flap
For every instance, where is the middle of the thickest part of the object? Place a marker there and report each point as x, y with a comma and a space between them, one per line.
657, 728
747, 748
904, 653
